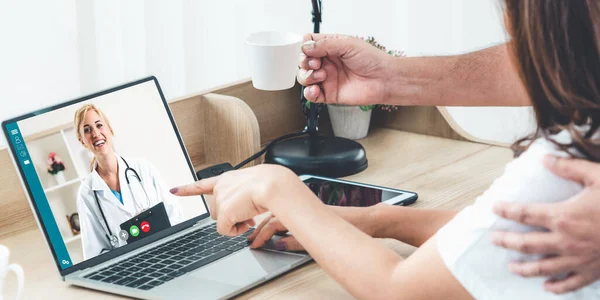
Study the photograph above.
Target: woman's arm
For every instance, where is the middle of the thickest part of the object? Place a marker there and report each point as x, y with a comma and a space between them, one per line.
409, 225
364, 266
413, 226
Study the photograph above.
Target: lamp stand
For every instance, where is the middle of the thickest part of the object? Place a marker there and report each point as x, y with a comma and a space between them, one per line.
313, 154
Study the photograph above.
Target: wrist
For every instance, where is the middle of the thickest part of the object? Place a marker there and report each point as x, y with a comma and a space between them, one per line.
366, 219
283, 190
400, 87
374, 225
274, 188
363, 218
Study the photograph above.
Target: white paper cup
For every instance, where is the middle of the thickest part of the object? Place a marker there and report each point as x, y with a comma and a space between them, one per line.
273, 58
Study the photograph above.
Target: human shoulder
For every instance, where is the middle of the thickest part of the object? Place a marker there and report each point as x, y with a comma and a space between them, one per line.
543, 146
85, 188
464, 243
140, 165
86, 183
526, 179
137, 161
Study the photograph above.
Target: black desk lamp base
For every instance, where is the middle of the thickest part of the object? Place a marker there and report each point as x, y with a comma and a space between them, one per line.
319, 155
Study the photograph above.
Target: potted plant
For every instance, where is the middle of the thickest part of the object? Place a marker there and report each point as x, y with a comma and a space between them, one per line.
353, 121
56, 167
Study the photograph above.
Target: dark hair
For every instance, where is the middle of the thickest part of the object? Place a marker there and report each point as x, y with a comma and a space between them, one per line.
555, 47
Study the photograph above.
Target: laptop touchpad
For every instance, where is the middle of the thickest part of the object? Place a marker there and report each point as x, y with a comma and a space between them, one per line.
246, 266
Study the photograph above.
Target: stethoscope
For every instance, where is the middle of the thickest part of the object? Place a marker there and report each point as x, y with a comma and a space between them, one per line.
112, 239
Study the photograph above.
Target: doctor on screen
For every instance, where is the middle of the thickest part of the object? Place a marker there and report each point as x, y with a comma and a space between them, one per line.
117, 189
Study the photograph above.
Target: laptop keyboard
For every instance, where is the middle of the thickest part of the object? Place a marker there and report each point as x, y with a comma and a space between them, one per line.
165, 262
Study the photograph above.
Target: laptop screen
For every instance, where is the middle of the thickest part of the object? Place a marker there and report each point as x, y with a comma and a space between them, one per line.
99, 170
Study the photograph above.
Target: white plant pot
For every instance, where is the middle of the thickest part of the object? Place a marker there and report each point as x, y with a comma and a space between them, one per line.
60, 178
349, 121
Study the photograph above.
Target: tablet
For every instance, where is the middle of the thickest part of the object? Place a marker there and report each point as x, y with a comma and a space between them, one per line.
347, 193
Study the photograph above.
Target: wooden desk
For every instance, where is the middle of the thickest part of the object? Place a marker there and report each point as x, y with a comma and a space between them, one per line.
446, 174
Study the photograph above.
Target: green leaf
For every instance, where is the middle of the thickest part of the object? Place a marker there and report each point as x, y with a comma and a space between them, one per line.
366, 107
307, 104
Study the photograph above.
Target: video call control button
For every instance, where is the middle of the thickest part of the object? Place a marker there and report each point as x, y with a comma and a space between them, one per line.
134, 230
124, 235
145, 226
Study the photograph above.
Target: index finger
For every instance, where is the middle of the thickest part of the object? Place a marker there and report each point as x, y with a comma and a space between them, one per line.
527, 214
204, 186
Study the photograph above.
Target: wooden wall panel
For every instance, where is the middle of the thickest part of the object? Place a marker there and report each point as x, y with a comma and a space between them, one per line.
188, 117
417, 119
277, 112
15, 213
231, 131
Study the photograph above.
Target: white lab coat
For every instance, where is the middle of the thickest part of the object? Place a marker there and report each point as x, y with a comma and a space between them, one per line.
93, 228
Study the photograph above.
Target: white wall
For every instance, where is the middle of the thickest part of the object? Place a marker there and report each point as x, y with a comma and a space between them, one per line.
38, 55
59, 50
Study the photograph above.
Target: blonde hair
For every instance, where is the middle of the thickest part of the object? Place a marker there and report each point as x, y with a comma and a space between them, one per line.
80, 117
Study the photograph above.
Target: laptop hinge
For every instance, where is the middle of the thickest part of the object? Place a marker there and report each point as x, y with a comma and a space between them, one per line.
203, 222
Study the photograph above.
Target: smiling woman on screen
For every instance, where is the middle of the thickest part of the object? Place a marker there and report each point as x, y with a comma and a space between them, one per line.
116, 190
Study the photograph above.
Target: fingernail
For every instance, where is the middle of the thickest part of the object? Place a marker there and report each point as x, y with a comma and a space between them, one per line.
313, 63
497, 207
174, 190
308, 45
550, 160
304, 74
513, 268
314, 90
280, 245
495, 237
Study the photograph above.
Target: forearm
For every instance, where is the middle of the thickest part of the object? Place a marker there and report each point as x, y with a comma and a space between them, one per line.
337, 246
482, 78
413, 226
361, 217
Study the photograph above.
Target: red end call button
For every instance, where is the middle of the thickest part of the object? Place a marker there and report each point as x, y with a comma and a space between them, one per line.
145, 226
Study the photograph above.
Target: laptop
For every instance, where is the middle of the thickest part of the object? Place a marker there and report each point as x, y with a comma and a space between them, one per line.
186, 259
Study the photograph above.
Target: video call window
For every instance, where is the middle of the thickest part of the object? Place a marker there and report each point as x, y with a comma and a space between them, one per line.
88, 212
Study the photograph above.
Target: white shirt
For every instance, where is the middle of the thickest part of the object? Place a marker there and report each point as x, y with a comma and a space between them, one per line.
465, 244
93, 228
